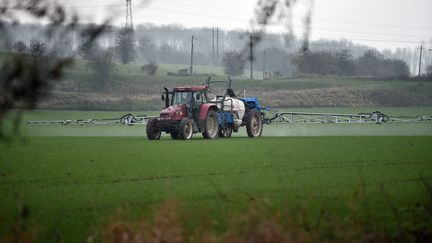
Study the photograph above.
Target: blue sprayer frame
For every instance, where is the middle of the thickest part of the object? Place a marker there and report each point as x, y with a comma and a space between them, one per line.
253, 103
226, 117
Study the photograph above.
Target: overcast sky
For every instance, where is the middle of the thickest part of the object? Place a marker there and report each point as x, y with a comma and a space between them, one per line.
379, 23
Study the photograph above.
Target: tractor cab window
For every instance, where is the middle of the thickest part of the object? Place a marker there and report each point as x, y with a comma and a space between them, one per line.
202, 97
182, 97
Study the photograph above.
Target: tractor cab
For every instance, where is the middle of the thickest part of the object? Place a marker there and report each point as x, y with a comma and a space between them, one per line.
183, 102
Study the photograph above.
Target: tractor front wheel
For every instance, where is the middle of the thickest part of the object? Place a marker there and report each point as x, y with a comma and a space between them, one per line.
211, 126
254, 124
153, 133
185, 129
174, 135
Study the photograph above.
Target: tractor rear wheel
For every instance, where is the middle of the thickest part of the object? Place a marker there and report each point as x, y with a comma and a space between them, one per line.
211, 126
254, 124
185, 129
153, 133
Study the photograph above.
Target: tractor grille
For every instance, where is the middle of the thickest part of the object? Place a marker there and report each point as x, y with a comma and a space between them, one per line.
164, 116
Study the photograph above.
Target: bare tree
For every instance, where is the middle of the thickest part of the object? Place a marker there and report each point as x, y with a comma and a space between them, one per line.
368, 64
19, 47
150, 68
233, 63
38, 60
102, 64
147, 49
87, 49
125, 46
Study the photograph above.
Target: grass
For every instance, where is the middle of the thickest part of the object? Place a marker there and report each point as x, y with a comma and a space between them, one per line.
72, 185
74, 180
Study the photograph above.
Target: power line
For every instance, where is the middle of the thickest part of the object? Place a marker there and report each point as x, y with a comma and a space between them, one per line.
355, 39
348, 39
237, 11
207, 16
316, 28
380, 25
369, 33
72, 6
388, 41
242, 21
192, 13
214, 7
340, 38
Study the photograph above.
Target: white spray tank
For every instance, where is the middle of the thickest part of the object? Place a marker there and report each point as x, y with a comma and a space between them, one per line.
235, 106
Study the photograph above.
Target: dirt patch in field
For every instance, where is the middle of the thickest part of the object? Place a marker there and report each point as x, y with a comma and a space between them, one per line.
342, 97
325, 97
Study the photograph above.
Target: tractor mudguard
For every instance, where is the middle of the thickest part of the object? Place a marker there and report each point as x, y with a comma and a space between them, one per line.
203, 114
204, 110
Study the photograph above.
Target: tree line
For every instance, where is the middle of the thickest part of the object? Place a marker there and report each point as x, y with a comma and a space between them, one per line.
171, 44
342, 63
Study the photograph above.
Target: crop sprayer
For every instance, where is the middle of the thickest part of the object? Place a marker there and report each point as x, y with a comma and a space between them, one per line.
201, 109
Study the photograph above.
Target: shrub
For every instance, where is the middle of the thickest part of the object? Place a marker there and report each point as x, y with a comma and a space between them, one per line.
150, 68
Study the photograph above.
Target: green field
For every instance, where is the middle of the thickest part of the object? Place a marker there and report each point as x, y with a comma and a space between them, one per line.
74, 180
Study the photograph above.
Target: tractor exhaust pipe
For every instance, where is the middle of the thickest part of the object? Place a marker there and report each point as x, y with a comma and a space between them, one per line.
166, 97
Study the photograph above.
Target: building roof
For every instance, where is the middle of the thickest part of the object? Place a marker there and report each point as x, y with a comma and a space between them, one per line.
190, 88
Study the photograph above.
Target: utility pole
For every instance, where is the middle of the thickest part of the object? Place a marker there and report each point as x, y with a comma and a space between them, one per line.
191, 58
213, 46
264, 65
217, 46
420, 61
251, 56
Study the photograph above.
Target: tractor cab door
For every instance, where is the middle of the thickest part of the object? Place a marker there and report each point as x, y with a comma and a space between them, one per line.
200, 97
190, 104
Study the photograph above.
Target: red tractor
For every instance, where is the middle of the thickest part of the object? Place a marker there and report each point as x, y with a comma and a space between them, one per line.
188, 110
